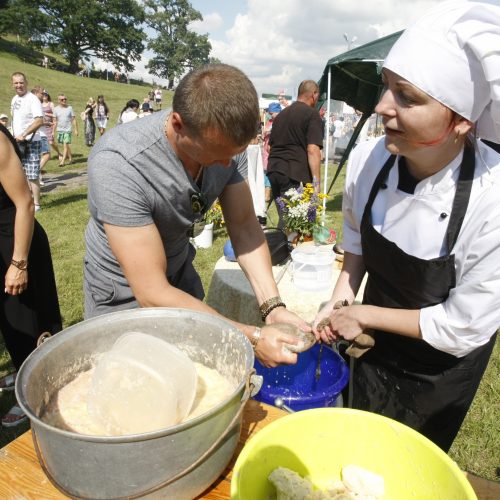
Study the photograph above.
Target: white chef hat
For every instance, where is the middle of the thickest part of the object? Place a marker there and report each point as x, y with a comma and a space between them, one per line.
453, 54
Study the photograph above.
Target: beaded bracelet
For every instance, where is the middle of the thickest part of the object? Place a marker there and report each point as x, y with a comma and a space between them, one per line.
256, 335
269, 305
22, 264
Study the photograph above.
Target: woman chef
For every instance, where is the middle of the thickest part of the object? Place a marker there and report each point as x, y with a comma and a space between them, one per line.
422, 217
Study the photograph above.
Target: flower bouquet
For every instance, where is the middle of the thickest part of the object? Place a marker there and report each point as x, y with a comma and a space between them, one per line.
301, 208
214, 215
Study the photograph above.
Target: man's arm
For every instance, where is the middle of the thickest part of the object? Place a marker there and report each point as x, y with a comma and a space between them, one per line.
140, 253
314, 159
248, 240
349, 322
251, 248
73, 120
33, 127
139, 250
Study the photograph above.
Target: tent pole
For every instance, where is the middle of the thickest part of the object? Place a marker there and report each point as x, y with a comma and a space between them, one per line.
349, 147
327, 142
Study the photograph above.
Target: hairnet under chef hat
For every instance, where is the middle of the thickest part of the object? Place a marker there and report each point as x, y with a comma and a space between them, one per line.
453, 54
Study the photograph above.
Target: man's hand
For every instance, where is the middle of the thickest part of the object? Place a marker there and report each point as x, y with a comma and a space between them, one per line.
283, 315
271, 350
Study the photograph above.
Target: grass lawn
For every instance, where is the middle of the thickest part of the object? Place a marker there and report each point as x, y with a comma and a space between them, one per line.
64, 217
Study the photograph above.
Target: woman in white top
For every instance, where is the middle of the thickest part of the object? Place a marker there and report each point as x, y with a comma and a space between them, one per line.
129, 112
422, 218
102, 114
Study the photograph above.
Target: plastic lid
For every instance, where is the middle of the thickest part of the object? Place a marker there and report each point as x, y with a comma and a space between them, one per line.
142, 384
313, 255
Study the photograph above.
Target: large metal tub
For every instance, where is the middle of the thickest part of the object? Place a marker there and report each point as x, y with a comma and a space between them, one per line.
110, 467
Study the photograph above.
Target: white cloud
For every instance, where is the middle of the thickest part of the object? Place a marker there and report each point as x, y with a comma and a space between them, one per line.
278, 44
211, 22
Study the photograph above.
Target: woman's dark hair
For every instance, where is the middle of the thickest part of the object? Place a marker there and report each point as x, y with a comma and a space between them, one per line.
133, 103
48, 96
103, 103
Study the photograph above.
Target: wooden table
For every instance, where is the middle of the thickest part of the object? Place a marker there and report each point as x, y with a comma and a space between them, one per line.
22, 478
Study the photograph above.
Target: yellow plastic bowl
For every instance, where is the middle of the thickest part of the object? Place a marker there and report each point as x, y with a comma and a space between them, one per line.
318, 443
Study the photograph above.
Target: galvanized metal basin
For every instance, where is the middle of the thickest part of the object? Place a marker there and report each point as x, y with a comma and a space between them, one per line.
123, 466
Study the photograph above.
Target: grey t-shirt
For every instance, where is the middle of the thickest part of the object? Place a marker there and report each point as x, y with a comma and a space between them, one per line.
136, 179
64, 115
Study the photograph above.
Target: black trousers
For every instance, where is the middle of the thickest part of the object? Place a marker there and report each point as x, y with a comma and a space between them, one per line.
280, 184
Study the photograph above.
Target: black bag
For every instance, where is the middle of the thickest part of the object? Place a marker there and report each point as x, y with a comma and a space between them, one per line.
23, 148
278, 244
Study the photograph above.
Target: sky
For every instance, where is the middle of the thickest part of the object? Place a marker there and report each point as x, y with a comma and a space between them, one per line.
280, 43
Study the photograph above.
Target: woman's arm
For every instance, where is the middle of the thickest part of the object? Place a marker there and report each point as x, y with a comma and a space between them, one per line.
14, 182
346, 288
349, 322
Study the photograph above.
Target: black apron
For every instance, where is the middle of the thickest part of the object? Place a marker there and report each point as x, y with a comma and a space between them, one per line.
405, 378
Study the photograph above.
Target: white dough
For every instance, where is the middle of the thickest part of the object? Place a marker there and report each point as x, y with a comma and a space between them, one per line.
362, 481
68, 409
289, 485
357, 484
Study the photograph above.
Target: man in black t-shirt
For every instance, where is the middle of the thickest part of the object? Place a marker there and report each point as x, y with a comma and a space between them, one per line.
296, 141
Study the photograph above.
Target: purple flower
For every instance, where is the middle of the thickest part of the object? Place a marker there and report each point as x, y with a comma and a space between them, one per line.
281, 203
311, 213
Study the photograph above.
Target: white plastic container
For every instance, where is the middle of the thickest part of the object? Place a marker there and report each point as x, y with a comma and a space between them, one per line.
206, 237
312, 267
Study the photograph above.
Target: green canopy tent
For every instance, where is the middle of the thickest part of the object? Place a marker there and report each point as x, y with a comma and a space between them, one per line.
354, 77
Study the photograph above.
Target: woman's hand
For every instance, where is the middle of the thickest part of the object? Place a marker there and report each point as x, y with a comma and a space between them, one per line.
321, 325
271, 350
16, 280
346, 322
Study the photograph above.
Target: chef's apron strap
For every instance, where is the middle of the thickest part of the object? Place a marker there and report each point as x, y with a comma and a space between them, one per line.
462, 196
379, 180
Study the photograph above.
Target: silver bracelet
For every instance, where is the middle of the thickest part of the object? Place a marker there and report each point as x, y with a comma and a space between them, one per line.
256, 335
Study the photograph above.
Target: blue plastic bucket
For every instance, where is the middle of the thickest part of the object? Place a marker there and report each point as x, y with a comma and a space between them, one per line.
297, 384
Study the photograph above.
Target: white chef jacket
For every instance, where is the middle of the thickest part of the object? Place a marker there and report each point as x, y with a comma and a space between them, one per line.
471, 314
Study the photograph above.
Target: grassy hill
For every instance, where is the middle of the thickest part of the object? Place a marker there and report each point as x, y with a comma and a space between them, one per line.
77, 89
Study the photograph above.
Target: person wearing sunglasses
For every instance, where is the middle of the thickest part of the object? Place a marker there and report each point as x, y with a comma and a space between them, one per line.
64, 122
422, 219
151, 180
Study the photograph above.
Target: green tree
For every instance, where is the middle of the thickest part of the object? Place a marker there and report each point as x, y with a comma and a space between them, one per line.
176, 48
107, 29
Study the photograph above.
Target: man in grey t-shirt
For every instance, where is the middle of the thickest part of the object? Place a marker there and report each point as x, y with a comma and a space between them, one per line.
64, 120
151, 179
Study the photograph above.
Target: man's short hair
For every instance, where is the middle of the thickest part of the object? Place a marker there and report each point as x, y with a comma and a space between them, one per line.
218, 97
307, 88
18, 73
